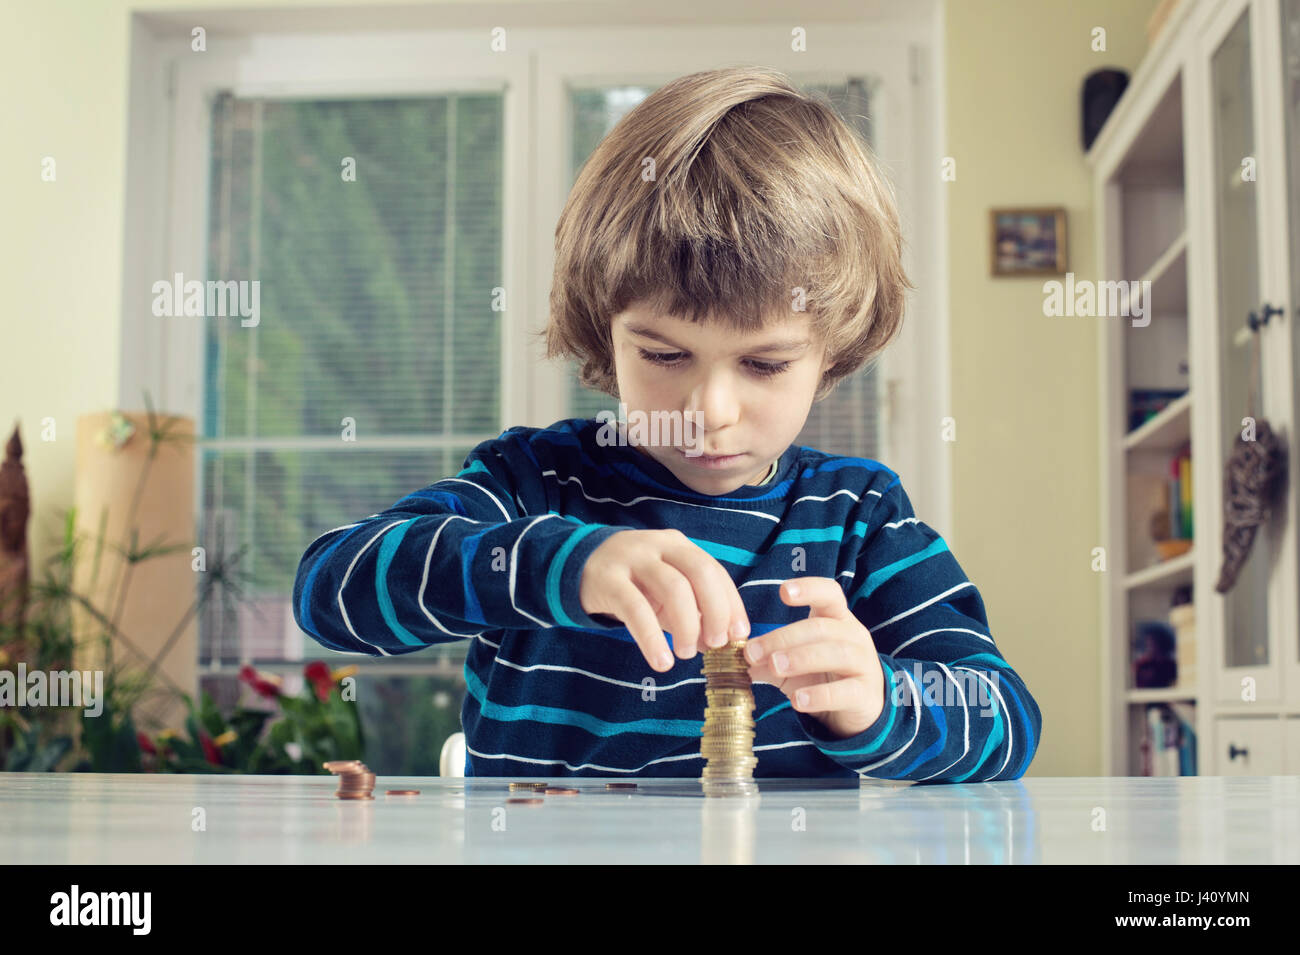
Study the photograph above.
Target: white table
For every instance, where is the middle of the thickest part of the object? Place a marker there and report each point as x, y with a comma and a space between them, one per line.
75, 818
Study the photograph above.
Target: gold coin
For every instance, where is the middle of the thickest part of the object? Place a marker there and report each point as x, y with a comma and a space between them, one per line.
726, 772
724, 753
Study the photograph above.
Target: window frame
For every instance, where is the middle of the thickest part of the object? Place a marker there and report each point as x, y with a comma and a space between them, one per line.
169, 134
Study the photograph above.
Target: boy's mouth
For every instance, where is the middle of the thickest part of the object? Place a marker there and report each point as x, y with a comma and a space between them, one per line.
712, 460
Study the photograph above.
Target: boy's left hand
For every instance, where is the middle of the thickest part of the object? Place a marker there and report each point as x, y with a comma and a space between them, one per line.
830, 656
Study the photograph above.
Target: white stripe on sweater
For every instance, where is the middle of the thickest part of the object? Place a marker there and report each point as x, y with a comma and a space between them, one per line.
1006, 712
356, 557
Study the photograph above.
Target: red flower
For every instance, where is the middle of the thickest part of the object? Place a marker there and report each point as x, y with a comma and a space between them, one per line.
146, 744
209, 749
264, 687
318, 672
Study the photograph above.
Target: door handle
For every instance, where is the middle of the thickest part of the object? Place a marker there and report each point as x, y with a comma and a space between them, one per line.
1255, 321
1253, 324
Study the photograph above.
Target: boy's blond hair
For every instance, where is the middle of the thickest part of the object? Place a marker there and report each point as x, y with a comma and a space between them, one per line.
756, 189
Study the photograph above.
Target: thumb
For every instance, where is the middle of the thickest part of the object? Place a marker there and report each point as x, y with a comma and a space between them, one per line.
821, 595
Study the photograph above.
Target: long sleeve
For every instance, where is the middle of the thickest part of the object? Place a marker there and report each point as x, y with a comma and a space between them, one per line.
474, 552
955, 711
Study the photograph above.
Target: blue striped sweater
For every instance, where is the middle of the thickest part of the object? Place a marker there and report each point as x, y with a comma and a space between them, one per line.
494, 556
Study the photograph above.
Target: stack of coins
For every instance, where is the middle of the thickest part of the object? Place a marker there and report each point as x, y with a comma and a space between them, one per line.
727, 742
356, 781
527, 787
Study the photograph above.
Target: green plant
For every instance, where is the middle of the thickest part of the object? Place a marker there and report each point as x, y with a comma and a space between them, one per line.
320, 724
37, 739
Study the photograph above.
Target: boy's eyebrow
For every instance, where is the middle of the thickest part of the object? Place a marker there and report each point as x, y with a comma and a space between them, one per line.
783, 345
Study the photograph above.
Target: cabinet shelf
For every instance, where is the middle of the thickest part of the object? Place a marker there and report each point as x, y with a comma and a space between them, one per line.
1168, 573
1166, 431
1168, 278
1162, 694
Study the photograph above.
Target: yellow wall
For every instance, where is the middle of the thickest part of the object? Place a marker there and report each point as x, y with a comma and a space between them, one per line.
1024, 386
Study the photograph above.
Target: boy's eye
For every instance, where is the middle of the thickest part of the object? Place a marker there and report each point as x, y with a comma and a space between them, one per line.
767, 369
661, 358
761, 368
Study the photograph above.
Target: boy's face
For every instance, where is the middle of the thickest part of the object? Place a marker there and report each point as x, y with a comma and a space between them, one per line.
749, 400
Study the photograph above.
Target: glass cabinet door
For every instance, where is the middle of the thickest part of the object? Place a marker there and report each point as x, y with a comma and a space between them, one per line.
1245, 631
1290, 16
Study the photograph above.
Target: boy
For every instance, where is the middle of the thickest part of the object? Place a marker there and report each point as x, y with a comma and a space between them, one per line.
756, 263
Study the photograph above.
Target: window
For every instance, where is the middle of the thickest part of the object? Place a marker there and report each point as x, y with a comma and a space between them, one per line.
374, 228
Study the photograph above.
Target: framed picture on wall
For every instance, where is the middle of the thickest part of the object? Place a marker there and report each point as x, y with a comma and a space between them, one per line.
1027, 241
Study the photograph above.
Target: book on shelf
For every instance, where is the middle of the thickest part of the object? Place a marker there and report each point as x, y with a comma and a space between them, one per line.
1178, 495
1184, 464
1145, 403
1169, 743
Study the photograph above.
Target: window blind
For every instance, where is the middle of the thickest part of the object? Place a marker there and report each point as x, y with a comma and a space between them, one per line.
374, 227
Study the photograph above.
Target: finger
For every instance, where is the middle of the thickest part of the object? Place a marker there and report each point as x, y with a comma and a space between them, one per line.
789, 686
707, 590
807, 630
668, 590
739, 629
842, 658
715, 591
632, 607
821, 594
765, 673
849, 694
762, 673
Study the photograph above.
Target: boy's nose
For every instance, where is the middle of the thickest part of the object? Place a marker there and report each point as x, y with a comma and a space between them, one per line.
715, 403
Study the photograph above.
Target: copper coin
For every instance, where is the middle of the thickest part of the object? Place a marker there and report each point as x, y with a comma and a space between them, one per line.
620, 785
527, 801
401, 792
561, 792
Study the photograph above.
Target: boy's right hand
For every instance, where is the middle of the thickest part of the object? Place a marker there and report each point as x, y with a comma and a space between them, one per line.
656, 580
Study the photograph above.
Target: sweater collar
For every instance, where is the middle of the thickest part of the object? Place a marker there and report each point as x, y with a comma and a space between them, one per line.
646, 471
